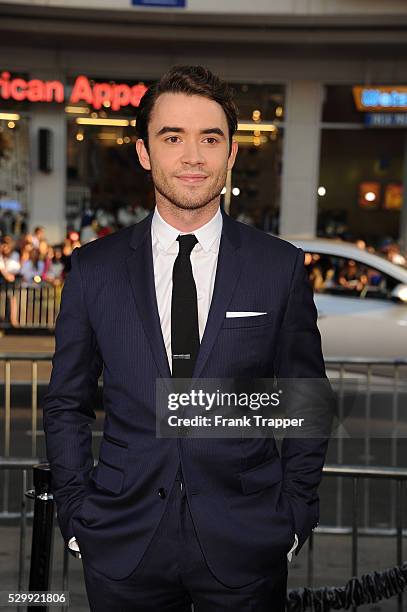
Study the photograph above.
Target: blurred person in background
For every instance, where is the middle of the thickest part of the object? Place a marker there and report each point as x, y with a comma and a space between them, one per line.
26, 246
32, 269
351, 277
9, 260
54, 272
38, 235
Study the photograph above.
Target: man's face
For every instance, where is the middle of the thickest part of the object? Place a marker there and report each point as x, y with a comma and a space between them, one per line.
188, 150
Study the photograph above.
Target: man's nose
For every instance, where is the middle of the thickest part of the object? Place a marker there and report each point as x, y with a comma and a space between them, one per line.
192, 153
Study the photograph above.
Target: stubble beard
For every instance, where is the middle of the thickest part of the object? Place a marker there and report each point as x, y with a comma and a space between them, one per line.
185, 201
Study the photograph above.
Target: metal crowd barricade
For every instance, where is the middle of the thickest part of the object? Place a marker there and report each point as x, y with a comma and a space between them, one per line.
390, 373
42, 535
358, 473
340, 368
29, 308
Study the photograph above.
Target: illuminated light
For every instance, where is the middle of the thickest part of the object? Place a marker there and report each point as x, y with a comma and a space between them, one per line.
78, 110
11, 125
9, 116
79, 137
387, 98
321, 191
133, 123
119, 141
107, 136
35, 90
250, 127
402, 295
370, 196
246, 139
236, 191
257, 133
118, 95
98, 121
279, 111
256, 115
223, 191
37, 278
127, 139
108, 95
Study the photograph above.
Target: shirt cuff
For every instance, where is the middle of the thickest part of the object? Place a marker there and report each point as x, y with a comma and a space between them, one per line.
290, 552
73, 545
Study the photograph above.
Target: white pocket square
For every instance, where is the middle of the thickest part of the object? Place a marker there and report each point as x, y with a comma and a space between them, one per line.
232, 313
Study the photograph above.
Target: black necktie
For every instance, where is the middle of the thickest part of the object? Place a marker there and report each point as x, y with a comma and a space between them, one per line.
184, 311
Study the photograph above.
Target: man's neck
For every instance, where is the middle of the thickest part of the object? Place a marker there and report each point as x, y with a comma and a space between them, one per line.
187, 220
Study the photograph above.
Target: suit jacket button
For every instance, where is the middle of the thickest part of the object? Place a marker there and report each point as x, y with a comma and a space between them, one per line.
162, 493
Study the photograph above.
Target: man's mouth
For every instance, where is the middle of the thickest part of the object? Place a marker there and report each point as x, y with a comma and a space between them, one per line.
192, 178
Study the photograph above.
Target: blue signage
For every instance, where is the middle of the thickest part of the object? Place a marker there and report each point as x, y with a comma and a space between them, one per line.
161, 3
386, 119
378, 97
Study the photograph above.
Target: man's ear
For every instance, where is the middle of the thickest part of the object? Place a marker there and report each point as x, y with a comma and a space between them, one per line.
232, 156
143, 155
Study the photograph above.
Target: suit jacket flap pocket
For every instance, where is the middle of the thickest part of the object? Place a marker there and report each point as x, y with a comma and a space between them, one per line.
261, 476
108, 477
112, 454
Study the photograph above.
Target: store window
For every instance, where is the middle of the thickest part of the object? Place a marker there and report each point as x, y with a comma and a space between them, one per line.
15, 163
361, 173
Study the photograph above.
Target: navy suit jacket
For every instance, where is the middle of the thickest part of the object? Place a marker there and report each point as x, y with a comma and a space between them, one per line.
247, 500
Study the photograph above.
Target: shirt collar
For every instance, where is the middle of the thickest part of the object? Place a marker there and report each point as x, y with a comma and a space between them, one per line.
207, 235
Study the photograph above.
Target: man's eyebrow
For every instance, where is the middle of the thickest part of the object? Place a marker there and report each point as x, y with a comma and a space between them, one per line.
214, 130
179, 130
167, 128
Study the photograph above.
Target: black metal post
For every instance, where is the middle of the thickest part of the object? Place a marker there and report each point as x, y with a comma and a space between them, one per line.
42, 534
355, 507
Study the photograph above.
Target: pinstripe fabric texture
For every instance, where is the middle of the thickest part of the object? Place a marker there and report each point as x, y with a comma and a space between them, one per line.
246, 500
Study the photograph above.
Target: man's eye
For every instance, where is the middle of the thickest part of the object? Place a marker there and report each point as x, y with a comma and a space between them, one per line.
211, 140
172, 139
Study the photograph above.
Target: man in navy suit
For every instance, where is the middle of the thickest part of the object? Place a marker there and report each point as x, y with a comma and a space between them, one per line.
163, 523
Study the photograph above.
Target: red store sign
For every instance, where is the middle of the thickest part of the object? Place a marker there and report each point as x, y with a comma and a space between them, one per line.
118, 95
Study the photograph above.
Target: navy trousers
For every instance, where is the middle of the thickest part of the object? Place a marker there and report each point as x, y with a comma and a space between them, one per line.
173, 576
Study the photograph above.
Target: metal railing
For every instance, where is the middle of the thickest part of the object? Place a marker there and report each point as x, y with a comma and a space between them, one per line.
29, 308
392, 373
373, 376
355, 473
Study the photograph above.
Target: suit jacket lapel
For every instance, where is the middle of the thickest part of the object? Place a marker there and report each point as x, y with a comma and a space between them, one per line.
140, 269
227, 274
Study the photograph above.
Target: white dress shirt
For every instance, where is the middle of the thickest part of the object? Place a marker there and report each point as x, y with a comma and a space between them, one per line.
204, 258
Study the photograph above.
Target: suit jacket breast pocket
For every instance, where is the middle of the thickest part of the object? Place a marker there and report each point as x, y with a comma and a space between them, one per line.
248, 322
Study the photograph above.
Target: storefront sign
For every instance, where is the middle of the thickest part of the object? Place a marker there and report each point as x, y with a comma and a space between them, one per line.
114, 95
162, 3
386, 119
381, 98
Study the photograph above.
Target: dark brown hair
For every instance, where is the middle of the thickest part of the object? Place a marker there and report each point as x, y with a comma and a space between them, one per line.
192, 81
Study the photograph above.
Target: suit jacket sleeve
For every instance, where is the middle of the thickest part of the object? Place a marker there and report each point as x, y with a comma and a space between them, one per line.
299, 355
68, 404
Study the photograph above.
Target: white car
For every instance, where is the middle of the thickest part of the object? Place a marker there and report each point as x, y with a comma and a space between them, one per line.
361, 299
